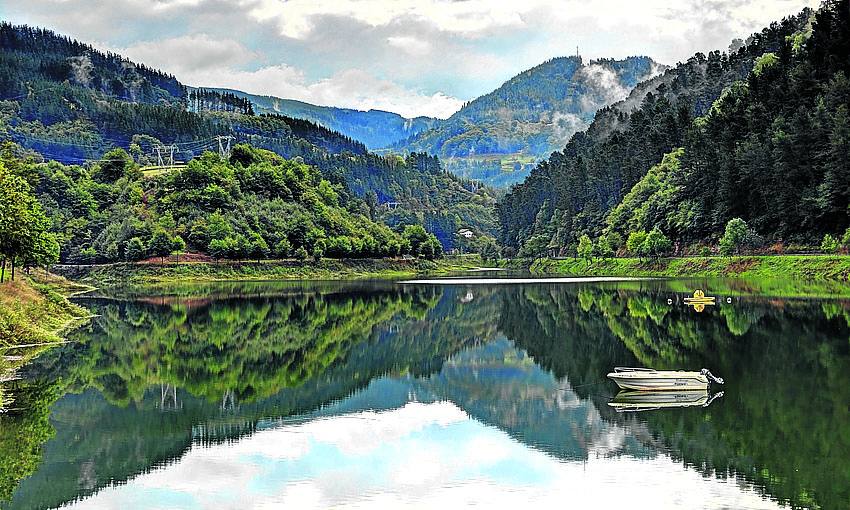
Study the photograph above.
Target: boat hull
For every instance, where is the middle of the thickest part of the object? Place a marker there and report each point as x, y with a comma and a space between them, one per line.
659, 381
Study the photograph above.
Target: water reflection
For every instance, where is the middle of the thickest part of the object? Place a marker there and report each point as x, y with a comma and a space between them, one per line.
320, 394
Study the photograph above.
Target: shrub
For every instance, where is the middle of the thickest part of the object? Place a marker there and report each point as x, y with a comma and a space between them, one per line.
829, 244
635, 243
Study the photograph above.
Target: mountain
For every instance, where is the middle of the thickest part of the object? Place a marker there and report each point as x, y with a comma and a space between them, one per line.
755, 133
498, 137
72, 103
374, 128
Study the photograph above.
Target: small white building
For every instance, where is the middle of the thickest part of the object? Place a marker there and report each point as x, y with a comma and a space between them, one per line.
465, 232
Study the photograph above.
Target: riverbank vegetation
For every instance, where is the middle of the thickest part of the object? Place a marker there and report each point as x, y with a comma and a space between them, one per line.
35, 312
790, 267
108, 275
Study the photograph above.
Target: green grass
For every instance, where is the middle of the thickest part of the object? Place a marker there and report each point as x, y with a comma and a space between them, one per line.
326, 269
808, 267
34, 311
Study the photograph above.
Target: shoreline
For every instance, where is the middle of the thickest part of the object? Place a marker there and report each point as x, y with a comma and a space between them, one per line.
147, 275
835, 268
35, 313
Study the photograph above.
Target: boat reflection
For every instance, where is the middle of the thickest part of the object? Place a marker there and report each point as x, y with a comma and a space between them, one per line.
632, 401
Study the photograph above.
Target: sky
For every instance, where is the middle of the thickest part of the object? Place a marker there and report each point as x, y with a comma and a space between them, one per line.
419, 456
412, 57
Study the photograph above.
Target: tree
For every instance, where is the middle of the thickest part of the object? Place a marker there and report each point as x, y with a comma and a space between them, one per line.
282, 248
432, 249
585, 248
43, 252
177, 246
113, 166
23, 225
221, 248
603, 246
829, 244
257, 247
656, 243
635, 243
416, 236
135, 249
736, 236
535, 246
301, 254
845, 239
161, 245
614, 241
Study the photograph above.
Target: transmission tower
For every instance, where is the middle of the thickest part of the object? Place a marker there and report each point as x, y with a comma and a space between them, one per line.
158, 150
224, 145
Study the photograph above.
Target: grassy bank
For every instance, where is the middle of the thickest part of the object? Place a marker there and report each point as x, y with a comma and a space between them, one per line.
34, 310
325, 269
797, 267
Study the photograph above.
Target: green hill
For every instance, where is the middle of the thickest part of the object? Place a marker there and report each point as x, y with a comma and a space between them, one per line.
498, 137
762, 129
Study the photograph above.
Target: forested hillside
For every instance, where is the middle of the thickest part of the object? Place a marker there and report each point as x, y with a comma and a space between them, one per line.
374, 128
253, 205
498, 137
762, 135
71, 120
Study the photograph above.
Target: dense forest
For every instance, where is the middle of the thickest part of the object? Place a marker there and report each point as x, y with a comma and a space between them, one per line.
205, 100
498, 137
758, 135
77, 121
252, 205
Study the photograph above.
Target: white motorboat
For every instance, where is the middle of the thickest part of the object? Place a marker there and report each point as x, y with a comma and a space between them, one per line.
647, 379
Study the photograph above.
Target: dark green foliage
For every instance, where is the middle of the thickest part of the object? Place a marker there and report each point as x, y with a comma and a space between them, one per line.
24, 237
571, 193
235, 209
32, 57
204, 100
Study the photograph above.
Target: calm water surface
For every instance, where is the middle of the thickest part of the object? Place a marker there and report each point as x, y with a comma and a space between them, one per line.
361, 395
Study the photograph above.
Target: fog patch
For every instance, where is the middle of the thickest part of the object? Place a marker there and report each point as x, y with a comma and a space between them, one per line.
565, 125
604, 86
81, 69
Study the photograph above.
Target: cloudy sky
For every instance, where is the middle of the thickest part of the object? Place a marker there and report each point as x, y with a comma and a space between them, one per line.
414, 57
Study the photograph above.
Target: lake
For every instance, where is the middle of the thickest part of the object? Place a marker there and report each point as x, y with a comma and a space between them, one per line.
428, 394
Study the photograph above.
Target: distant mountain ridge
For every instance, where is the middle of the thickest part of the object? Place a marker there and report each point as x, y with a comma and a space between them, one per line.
499, 136
374, 128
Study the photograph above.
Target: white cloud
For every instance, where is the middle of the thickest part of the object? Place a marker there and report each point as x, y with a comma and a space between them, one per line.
424, 54
190, 53
350, 88
295, 17
411, 45
418, 456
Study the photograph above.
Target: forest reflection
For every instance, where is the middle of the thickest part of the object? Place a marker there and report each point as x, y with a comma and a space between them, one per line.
154, 375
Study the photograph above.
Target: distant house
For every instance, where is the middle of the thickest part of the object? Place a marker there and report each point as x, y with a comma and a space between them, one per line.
465, 232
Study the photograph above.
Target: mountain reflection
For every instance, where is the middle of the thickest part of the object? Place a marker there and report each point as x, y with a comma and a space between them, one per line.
152, 376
